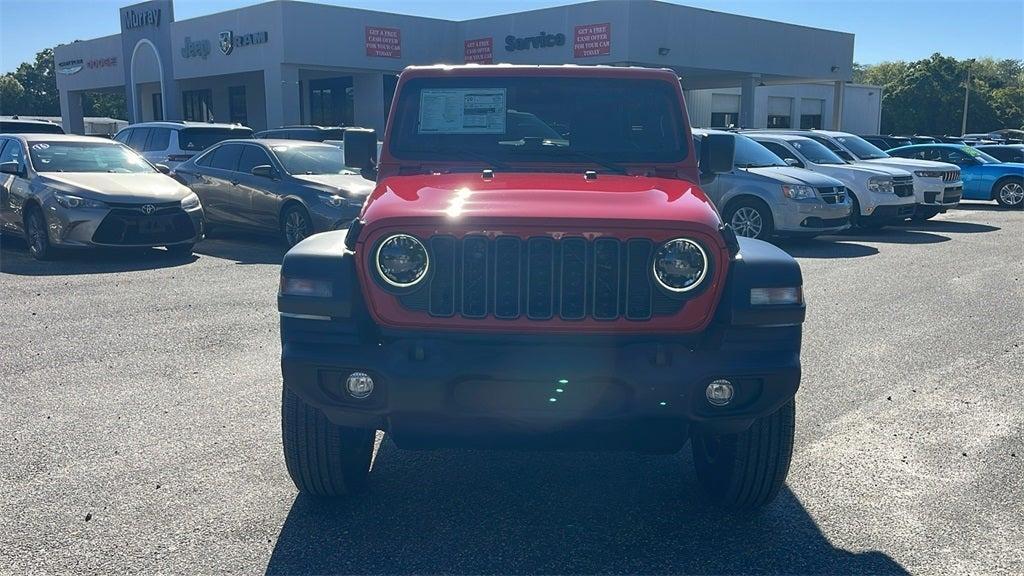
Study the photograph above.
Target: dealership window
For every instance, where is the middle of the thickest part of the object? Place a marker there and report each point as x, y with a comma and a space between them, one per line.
811, 110
725, 110
236, 105
331, 101
780, 112
158, 106
197, 105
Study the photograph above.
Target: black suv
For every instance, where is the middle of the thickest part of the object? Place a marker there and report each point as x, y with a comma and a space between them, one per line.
15, 125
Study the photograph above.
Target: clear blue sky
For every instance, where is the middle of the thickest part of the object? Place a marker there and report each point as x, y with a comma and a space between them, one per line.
885, 29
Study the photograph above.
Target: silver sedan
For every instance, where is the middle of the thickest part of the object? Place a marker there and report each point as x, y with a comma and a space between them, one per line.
76, 192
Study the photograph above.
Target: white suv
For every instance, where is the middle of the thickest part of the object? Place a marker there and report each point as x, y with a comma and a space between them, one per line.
171, 143
881, 195
937, 185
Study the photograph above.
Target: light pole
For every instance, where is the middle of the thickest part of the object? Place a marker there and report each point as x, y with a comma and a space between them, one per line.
967, 93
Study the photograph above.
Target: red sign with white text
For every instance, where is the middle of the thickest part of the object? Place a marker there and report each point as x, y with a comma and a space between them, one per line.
383, 42
592, 40
480, 51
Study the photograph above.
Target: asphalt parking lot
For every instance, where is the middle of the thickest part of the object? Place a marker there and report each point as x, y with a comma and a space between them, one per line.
141, 432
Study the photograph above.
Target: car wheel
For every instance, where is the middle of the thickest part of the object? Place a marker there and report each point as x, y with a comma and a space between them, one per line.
323, 459
1010, 193
296, 224
746, 470
751, 219
36, 235
855, 217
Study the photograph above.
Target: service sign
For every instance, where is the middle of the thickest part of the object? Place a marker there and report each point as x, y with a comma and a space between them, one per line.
479, 51
592, 40
383, 42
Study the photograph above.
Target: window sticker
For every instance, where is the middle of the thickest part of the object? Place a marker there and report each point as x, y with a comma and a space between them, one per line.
40, 146
970, 151
462, 111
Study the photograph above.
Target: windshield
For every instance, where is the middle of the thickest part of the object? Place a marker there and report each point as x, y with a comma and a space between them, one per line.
814, 152
539, 119
861, 148
750, 154
312, 160
87, 157
196, 139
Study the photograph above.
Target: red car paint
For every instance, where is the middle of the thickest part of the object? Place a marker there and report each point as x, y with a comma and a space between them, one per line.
654, 201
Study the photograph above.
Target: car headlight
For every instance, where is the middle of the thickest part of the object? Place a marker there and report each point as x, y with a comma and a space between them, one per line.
880, 185
680, 265
798, 192
929, 173
70, 201
402, 260
190, 202
333, 200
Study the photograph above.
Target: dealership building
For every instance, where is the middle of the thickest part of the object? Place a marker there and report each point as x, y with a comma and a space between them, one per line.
287, 62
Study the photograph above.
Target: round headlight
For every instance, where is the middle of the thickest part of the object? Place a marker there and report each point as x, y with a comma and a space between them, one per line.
680, 265
402, 260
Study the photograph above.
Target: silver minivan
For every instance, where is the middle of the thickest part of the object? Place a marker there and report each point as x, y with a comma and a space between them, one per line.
762, 196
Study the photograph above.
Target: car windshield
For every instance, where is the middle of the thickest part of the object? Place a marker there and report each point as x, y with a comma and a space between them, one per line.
539, 119
814, 152
87, 157
196, 139
750, 154
861, 148
312, 160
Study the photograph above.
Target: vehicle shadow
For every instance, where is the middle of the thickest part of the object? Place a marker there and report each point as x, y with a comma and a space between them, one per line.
950, 226
15, 259
468, 512
243, 248
890, 235
826, 249
992, 206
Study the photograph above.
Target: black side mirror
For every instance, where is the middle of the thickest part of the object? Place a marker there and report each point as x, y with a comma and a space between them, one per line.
719, 152
264, 171
361, 150
162, 168
10, 168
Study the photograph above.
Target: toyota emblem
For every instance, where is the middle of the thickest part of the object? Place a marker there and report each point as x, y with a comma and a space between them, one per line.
148, 209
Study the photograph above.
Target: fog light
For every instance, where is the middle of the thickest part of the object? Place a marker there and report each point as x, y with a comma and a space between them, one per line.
359, 384
719, 393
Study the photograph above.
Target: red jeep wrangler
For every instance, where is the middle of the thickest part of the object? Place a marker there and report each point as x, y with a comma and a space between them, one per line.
538, 267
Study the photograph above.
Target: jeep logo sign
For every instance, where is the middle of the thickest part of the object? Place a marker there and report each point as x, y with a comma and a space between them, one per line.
542, 40
140, 18
196, 49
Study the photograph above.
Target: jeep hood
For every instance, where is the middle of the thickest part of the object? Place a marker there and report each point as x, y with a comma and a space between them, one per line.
794, 176
911, 163
108, 187
539, 197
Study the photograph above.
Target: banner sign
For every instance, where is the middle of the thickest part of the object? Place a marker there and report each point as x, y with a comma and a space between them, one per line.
383, 42
592, 40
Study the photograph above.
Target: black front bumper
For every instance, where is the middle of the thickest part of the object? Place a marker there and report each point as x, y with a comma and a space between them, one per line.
438, 390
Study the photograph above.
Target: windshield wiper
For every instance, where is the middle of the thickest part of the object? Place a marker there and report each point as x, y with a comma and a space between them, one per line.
486, 158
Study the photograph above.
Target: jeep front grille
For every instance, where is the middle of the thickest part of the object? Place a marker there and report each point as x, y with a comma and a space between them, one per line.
903, 186
832, 195
951, 176
541, 278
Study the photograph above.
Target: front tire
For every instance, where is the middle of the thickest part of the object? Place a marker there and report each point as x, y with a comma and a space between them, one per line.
296, 224
1010, 193
745, 471
751, 219
37, 235
323, 459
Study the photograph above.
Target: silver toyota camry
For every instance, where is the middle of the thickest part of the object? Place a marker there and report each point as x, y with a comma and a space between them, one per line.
76, 192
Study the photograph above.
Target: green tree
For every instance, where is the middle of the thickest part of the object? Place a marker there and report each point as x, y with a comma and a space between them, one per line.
11, 94
40, 83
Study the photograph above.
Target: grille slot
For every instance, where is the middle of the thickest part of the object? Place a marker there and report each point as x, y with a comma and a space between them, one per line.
903, 186
832, 195
542, 278
950, 176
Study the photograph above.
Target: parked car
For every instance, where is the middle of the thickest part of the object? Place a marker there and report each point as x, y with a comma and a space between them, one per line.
881, 195
762, 196
293, 187
886, 142
306, 132
937, 185
171, 143
62, 191
985, 178
1004, 152
16, 125
500, 293
921, 139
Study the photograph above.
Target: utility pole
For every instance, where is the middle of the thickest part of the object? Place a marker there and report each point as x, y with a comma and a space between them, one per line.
967, 93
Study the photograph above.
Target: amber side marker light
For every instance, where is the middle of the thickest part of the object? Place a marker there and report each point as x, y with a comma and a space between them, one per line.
787, 295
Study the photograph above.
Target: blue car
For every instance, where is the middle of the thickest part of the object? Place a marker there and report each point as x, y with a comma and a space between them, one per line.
985, 178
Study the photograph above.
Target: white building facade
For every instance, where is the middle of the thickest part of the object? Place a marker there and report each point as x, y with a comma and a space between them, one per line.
284, 62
